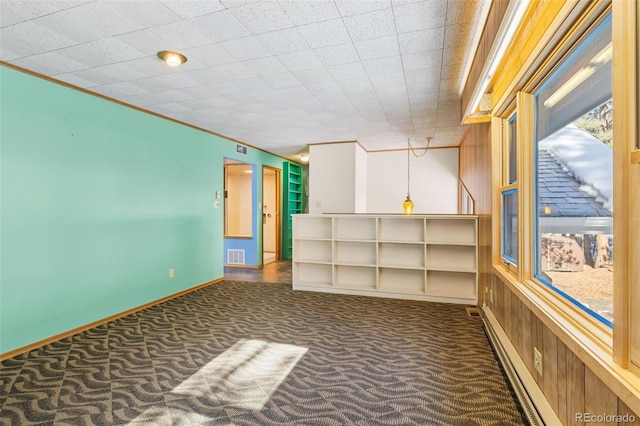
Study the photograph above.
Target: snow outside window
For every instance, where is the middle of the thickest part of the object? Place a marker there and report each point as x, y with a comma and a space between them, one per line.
574, 177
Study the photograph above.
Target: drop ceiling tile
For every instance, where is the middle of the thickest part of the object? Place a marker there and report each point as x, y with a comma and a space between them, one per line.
6, 55
381, 66
449, 89
296, 92
27, 39
326, 33
201, 76
141, 13
181, 34
313, 76
146, 40
102, 52
347, 71
148, 99
370, 25
50, 63
191, 9
246, 48
96, 76
284, 41
169, 108
421, 41
427, 98
378, 48
262, 17
15, 11
211, 55
420, 16
176, 80
252, 85
356, 7
75, 80
117, 90
220, 26
414, 61
388, 80
282, 80
424, 75
300, 60
119, 71
266, 66
338, 54
234, 71
308, 12
88, 22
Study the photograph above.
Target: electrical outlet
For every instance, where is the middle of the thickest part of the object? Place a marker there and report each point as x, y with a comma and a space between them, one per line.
537, 361
172, 273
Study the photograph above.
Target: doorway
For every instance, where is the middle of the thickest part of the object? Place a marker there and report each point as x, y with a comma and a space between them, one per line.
270, 214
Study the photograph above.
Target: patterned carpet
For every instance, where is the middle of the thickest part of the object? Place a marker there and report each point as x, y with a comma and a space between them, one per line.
240, 353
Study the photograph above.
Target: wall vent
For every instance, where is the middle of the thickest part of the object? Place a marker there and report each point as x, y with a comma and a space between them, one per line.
240, 149
235, 257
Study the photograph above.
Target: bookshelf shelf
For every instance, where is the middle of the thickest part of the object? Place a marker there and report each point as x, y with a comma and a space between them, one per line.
430, 257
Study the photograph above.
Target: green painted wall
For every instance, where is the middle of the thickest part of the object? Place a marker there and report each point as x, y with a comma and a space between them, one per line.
98, 202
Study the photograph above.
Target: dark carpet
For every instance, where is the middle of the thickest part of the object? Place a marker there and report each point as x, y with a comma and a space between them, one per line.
241, 353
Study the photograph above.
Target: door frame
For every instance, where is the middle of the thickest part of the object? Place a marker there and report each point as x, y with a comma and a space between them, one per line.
278, 202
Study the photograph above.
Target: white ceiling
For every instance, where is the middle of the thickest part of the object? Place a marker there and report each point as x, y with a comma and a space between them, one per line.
277, 75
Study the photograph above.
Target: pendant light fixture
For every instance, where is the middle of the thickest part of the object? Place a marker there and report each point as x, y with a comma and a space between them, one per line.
408, 205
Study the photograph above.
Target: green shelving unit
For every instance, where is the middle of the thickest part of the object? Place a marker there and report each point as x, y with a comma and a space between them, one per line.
293, 203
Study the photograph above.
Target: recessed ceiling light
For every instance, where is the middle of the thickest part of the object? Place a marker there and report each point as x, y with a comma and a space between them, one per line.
173, 59
304, 158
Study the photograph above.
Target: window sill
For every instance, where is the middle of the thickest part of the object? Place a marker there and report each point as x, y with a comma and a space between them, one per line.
589, 340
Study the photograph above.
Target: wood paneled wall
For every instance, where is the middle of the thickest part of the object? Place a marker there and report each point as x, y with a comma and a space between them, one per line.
496, 13
474, 164
569, 386
567, 383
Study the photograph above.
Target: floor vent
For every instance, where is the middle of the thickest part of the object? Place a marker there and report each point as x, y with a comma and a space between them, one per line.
235, 257
473, 311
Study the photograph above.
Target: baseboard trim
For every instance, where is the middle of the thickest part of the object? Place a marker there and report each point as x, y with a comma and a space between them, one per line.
43, 342
235, 265
534, 403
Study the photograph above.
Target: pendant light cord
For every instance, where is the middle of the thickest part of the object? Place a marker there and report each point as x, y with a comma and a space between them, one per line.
411, 149
408, 167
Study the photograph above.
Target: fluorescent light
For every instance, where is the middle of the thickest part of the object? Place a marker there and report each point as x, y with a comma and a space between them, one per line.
510, 23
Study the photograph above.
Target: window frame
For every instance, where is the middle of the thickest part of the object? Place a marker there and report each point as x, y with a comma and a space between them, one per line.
592, 332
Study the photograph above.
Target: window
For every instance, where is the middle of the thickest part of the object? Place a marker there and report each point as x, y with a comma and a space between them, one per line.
510, 192
574, 177
238, 196
510, 226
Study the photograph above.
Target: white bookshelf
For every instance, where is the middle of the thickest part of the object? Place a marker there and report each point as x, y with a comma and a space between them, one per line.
421, 257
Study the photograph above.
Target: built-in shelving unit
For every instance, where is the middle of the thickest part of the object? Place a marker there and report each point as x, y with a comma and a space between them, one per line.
422, 257
292, 204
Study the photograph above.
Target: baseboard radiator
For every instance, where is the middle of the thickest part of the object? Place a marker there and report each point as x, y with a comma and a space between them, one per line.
536, 408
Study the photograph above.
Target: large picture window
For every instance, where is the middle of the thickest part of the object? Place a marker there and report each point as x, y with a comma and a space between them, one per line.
574, 176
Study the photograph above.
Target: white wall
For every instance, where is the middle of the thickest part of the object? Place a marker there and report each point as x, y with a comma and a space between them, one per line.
332, 180
434, 181
361, 179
